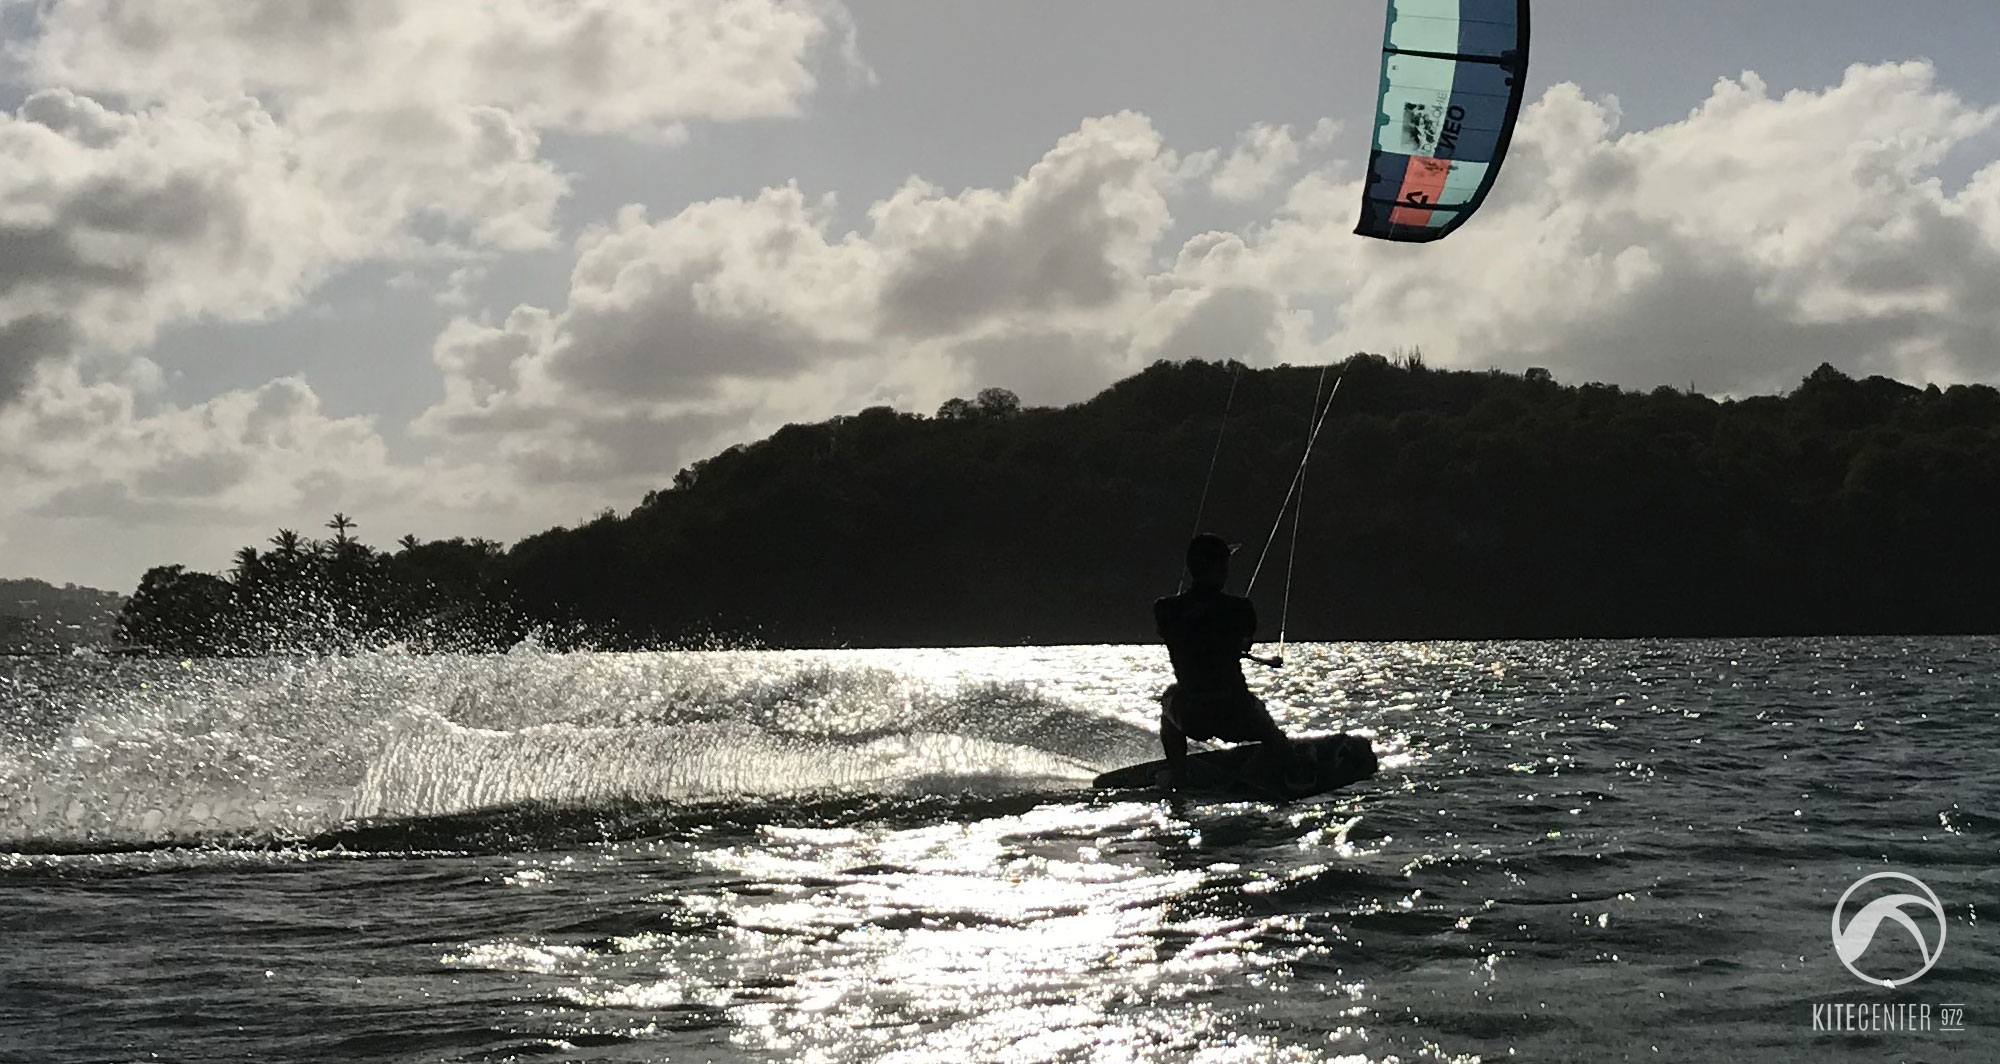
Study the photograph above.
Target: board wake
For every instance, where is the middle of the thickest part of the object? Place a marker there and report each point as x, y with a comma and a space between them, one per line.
1251, 771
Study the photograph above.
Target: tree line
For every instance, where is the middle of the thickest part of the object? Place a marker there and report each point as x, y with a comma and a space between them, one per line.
329, 595
1439, 504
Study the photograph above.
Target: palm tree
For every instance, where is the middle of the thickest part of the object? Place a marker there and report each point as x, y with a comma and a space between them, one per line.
288, 543
248, 564
340, 524
410, 542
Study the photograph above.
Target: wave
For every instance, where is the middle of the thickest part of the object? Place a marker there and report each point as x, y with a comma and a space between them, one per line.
245, 753
431, 766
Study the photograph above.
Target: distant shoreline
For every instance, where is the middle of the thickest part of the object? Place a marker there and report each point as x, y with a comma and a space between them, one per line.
1746, 640
1486, 505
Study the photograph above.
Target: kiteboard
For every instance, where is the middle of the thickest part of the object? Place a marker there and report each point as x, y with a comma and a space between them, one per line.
1251, 771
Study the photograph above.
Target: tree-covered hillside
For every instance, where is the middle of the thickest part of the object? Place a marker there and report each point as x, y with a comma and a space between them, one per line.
1438, 504
39, 617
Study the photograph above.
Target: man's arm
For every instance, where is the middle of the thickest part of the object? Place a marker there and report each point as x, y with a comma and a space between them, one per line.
1162, 613
1249, 629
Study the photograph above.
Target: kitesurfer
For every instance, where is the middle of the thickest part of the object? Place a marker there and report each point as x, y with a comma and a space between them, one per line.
1208, 632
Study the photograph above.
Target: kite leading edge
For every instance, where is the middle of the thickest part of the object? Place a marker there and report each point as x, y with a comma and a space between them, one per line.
1453, 72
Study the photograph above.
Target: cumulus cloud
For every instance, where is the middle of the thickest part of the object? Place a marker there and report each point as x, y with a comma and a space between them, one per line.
87, 468
182, 160
1264, 156
104, 477
601, 66
114, 224
1735, 249
735, 315
1077, 233
79, 449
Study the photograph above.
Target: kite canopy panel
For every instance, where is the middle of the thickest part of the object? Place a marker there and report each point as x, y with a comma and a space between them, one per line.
1452, 76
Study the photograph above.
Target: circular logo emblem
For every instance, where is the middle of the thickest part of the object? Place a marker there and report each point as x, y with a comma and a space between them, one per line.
1850, 942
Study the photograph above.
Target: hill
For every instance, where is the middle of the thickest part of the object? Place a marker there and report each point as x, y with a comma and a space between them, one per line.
1439, 505
38, 617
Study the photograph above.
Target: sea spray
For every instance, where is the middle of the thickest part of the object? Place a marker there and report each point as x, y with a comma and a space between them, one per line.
247, 751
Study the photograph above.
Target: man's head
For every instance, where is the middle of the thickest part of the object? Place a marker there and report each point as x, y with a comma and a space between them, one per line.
1208, 559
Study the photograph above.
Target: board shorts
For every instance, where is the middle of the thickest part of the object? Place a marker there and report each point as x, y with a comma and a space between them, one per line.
1231, 716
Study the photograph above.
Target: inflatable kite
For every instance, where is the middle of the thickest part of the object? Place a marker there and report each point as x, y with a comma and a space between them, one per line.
1452, 76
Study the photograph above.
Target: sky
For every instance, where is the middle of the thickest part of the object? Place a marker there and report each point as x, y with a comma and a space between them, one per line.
483, 267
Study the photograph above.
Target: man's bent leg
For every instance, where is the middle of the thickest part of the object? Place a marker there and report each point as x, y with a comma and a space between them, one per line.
1173, 741
1266, 729
1274, 739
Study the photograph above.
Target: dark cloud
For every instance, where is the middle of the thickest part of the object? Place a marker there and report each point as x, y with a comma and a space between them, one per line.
199, 476
1073, 235
26, 343
1054, 257
1044, 368
621, 447
1228, 323
47, 256
669, 346
1703, 321
48, 260
115, 502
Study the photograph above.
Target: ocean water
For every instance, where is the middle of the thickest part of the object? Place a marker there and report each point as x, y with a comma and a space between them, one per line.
1576, 851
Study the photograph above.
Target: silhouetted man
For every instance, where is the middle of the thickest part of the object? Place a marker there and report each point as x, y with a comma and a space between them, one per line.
1208, 632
